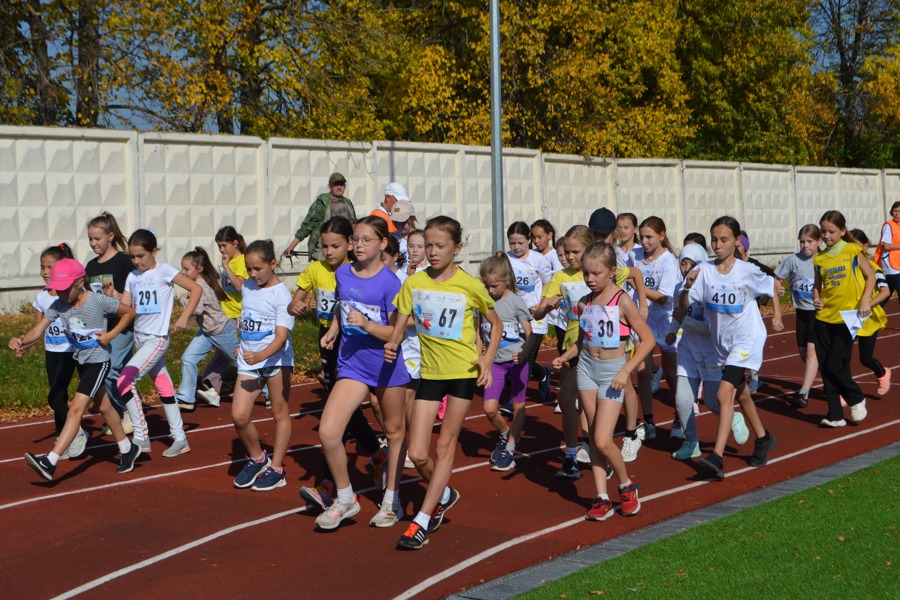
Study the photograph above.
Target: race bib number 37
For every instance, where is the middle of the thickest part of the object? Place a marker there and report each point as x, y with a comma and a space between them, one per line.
439, 314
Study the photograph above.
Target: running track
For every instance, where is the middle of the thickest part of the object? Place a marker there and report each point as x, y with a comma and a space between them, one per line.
176, 527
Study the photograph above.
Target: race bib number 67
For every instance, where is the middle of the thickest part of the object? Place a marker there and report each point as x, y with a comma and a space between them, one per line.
439, 314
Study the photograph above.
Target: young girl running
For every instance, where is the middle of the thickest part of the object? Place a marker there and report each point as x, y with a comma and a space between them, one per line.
442, 298
532, 271
728, 289
838, 288
415, 246
58, 361
215, 330
266, 357
233, 273
628, 238
150, 290
868, 333
106, 275
499, 277
660, 271
365, 293
798, 271
84, 318
318, 282
606, 318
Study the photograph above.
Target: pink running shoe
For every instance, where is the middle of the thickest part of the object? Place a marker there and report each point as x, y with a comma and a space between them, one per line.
884, 383
442, 409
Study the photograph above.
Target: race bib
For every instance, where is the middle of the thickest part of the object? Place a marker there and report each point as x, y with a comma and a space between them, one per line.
98, 282
694, 311
572, 292
511, 333
601, 326
325, 304
803, 288
55, 335
83, 339
255, 328
372, 313
227, 286
439, 314
727, 299
651, 278
526, 279
146, 298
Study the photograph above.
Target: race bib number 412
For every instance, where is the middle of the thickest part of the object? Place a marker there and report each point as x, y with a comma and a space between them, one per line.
439, 314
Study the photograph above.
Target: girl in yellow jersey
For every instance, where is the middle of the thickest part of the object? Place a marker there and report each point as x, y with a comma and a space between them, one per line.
867, 336
837, 288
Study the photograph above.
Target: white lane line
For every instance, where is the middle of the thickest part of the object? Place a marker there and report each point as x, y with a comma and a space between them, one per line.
437, 578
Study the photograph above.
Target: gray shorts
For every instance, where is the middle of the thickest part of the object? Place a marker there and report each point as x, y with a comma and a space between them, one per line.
262, 374
597, 374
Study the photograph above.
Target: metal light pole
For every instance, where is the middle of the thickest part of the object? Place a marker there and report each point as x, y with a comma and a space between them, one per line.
496, 132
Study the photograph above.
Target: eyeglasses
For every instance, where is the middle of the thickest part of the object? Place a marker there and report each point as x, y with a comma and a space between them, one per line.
368, 241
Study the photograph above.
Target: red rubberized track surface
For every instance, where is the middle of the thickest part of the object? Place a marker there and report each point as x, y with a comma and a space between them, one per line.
177, 528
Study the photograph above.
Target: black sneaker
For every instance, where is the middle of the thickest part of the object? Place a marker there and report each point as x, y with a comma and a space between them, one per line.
712, 465
126, 462
761, 449
413, 538
437, 517
569, 469
544, 385
799, 400
41, 464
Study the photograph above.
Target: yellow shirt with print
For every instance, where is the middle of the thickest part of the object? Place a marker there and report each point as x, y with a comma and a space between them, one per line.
878, 319
569, 275
231, 306
837, 268
318, 279
444, 321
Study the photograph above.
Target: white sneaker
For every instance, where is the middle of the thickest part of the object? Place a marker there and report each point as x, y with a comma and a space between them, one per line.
76, 448
408, 463
858, 412
739, 429
211, 396
630, 448
386, 517
332, 516
584, 454
827, 423
127, 425
655, 379
177, 447
557, 410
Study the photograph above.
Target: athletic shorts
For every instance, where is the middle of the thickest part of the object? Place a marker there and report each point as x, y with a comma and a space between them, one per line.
733, 375
263, 374
697, 359
91, 377
413, 384
436, 389
806, 327
597, 374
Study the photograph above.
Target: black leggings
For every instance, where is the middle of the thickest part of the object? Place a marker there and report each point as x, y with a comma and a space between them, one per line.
60, 369
834, 348
867, 354
893, 282
537, 370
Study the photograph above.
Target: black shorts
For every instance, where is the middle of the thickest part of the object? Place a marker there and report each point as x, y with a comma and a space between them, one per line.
436, 389
734, 375
92, 378
413, 384
806, 327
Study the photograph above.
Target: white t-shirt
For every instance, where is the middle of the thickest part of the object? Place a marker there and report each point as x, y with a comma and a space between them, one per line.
262, 310
152, 296
729, 305
661, 275
55, 339
531, 273
888, 238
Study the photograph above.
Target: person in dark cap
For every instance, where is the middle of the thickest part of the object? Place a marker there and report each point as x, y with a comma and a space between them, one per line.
603, 225
331, 204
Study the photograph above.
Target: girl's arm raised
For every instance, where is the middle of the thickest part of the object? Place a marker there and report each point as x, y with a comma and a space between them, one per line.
196, 292
298, 305
32, 336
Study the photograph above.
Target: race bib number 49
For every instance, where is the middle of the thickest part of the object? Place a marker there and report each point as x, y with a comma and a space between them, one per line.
439, 314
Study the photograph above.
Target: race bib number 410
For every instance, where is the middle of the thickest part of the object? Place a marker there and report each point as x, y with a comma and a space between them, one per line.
725, 298
439, 314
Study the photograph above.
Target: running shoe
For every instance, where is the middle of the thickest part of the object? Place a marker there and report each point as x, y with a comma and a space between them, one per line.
800, 399
211, 396
379, 473
583, 455
76, 448
127, 460
655, 379
569, 469
677, 430
505, 409
557, 410
498, 449
630, 447
251, 471
386, 516
177, 447
609, 471
413, 538
544, 385
269, 480
600, 510
712, 465
646, 431
739, 429
833, 424
697, 409
753, 384
187, 406
144, 444
437, 516
268, 401
408, 463
505, 461
884, 383
687, 451
41, 464
630, 504
761, 449
320, 496
858, 412
127, 425
332, 516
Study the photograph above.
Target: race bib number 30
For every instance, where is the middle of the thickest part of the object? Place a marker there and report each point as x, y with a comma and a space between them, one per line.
601, 326
439, 314
727, 299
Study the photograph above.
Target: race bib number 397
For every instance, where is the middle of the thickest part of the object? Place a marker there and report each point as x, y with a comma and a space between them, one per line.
439, 314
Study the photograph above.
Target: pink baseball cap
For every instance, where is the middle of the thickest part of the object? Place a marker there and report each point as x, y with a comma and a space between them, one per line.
64, 273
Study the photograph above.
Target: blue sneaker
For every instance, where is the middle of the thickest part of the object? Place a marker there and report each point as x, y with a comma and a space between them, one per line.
269, 480
687, 451
569, 469
739, 429
544, 385
251, 471
498, 450
505, 461
677, 430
